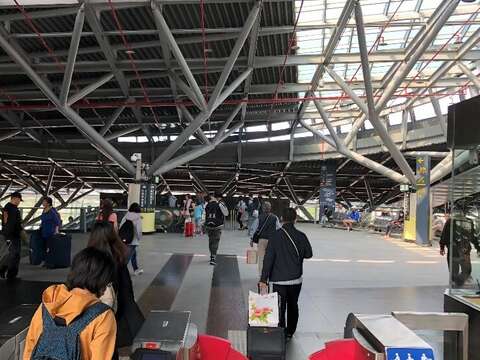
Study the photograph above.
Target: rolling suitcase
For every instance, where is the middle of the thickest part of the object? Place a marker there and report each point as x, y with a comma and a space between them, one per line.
59, 248
37, 248
189, 229
266, 343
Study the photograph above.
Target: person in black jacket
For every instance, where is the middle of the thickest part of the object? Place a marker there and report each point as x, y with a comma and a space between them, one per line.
268, 224
459, 264
215, 213
11, 231
283, 267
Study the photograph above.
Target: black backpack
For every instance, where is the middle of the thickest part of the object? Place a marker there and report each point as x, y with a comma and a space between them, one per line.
213, 215
127, 232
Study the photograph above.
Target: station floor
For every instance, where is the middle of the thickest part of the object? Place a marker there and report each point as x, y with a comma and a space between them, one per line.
350, 272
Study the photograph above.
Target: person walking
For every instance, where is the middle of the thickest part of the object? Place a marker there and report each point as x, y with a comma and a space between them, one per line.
50, 221
198, 211
458, 248
241, 209
172, 200
253, 214
130, 233
215, 213
283, 267
268, 224
107, 214
12, 233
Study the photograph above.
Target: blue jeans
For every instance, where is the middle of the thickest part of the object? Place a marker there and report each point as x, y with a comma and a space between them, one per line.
133, 256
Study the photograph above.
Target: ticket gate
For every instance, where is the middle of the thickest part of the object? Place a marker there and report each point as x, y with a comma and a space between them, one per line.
386, 338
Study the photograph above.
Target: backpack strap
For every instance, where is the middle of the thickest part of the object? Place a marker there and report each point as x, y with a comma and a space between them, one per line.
47, 318
87, 317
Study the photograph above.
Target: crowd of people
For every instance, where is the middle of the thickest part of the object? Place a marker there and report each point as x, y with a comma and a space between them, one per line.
94, 312
95, 308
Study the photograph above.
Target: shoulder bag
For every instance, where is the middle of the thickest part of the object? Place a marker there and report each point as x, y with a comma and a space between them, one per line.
293, 243
256, 236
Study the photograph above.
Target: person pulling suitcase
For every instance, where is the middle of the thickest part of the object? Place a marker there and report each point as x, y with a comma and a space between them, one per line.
283, 268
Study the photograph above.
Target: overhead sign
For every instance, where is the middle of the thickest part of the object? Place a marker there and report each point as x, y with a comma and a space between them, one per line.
328, 190
147, 197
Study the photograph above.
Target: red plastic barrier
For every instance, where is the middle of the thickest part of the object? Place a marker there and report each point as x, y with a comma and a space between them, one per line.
215, 348
345, 349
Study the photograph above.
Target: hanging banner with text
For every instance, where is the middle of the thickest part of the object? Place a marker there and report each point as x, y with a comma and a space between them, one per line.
423, 200
328, 190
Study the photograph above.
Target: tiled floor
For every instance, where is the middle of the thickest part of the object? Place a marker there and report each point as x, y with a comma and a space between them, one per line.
350, 272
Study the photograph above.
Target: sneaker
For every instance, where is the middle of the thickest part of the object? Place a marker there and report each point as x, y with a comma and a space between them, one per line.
212, 261
138, 272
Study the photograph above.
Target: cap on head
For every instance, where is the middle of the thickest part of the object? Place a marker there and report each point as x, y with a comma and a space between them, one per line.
17, 195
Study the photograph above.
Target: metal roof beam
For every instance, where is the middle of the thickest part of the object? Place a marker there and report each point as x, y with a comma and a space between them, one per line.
407, 65
161, 24
72, 54
96, 139
96, 26
261, 62
372, 112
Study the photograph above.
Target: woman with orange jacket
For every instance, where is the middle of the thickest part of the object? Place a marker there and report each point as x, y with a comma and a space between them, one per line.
91, 272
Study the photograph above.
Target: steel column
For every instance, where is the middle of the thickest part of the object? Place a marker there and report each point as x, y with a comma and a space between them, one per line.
373, 116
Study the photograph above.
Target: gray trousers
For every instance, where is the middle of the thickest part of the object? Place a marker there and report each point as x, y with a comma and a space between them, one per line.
214, 240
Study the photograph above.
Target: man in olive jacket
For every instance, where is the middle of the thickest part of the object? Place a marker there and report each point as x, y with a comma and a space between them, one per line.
283, 267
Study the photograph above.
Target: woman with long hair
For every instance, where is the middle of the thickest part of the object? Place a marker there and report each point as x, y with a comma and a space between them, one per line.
107, 214
131, 225
128, 315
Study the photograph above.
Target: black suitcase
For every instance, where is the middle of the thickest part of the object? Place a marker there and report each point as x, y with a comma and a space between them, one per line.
59, 248
37, 248
266, 343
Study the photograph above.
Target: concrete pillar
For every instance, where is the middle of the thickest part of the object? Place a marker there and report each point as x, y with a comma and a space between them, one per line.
422, 223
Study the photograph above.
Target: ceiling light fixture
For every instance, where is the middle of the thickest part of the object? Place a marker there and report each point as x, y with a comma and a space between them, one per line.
131, 52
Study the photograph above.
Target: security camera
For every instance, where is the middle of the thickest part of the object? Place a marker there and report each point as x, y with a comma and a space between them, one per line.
135, 157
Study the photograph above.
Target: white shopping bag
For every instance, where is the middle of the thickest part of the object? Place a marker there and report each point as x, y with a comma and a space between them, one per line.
252, 256
263, 309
